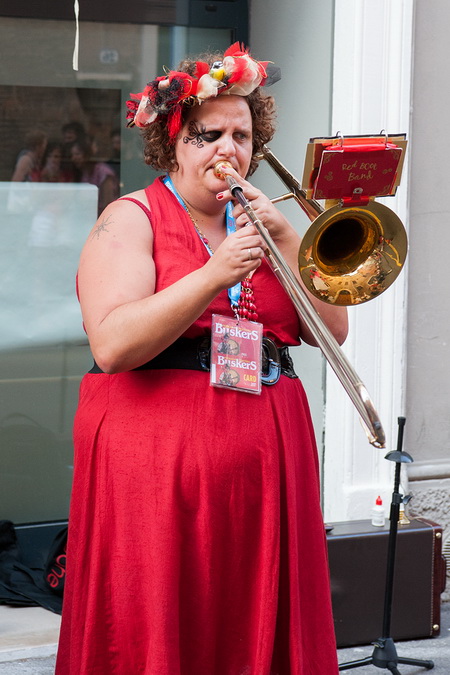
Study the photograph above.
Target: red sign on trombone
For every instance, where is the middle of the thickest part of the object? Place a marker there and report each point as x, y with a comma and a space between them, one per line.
354, 168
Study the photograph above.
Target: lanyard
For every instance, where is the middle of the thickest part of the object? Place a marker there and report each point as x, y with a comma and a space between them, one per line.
234, 292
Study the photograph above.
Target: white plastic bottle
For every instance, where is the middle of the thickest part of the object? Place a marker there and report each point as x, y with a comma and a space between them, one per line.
378, 516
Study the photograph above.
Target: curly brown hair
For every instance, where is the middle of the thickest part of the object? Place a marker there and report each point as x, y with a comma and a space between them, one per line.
159, 152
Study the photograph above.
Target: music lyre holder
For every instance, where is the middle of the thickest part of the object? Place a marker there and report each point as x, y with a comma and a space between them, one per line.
384, 654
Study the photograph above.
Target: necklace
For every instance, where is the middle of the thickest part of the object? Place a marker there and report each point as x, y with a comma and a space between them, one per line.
246, 302
246, 308
198, 230
242, 302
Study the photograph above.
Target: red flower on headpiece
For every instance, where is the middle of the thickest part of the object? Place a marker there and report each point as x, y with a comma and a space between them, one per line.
244, 74
132, 107
201, 68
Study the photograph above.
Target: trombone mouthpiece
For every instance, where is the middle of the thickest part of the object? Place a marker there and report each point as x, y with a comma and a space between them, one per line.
219, 167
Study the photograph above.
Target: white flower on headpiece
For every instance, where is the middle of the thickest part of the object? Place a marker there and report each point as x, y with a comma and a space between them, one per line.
143, 117
247, 71
207, 87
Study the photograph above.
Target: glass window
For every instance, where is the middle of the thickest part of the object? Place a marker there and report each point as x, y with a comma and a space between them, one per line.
65, 152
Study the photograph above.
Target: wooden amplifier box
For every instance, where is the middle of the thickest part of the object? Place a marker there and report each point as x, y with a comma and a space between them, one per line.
358, 562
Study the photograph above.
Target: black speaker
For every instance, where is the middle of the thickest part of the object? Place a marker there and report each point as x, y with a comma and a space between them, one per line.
358, 562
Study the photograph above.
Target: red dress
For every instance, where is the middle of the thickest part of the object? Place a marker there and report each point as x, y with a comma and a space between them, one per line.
196, 541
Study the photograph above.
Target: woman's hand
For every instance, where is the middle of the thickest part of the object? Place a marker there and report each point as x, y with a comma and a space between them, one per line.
275, 222
237, 256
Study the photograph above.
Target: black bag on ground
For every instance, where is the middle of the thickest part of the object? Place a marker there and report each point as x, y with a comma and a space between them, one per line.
21, 585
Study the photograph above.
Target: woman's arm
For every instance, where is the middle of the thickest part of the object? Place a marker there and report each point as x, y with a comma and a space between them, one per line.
108, 191
126, 321
23, 168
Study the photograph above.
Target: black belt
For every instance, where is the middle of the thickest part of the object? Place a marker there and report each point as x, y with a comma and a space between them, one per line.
194, 354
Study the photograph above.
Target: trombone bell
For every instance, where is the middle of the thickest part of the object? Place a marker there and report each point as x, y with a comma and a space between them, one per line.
350, 255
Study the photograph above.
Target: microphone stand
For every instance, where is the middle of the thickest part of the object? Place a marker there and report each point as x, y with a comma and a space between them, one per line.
384, 654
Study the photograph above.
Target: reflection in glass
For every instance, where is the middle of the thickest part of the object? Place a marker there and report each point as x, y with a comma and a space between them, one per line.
44, 220
43, 348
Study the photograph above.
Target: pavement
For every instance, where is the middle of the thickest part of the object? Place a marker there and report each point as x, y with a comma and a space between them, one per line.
28, 640
29, 635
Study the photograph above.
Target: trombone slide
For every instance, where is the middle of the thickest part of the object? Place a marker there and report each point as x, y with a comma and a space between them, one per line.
324, 338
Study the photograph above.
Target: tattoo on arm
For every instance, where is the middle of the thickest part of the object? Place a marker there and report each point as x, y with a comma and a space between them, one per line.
101, 227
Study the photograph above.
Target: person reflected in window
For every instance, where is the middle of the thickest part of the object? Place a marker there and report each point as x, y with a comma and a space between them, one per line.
114, 160
29, 160
71, 132
52, 169
87, 169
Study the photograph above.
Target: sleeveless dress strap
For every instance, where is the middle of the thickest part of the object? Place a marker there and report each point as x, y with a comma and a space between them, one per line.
145, 209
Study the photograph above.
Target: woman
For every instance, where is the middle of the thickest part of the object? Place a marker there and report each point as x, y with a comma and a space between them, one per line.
29, 160
88, 170
52, 170
196, 543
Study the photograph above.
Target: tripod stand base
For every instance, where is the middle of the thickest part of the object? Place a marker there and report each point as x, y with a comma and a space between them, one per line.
385, 656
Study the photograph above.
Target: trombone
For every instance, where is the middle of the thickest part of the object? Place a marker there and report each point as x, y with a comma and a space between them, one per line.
347, 256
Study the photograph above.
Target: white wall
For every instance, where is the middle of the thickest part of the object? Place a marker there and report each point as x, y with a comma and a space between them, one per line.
371, 93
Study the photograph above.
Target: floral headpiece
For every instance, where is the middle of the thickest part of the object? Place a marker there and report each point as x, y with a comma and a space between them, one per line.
237, 74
